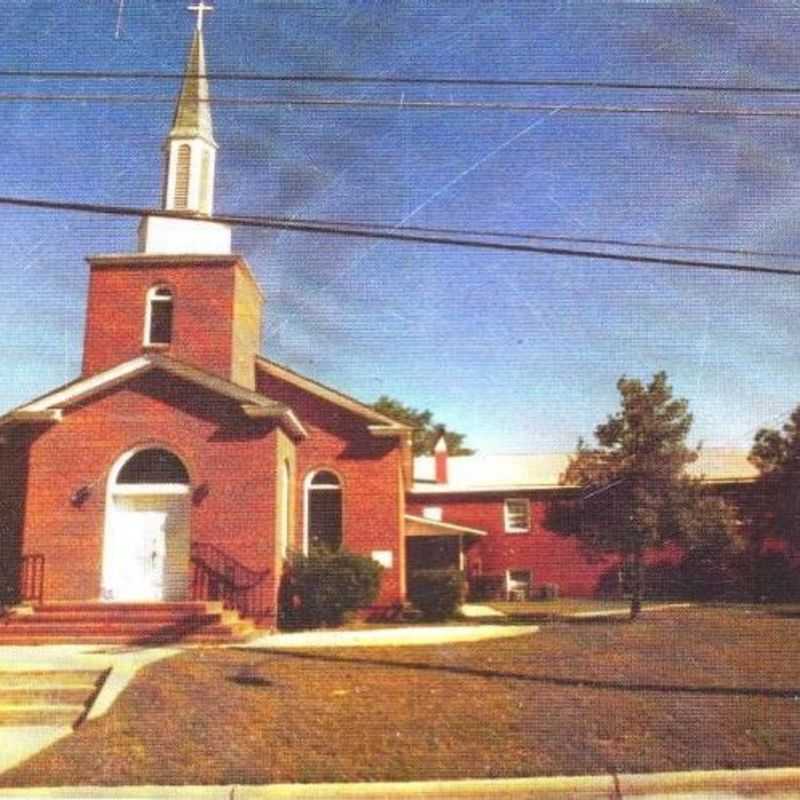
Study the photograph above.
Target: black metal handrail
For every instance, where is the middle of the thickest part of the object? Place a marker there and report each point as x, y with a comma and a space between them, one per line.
30, 578
219, 576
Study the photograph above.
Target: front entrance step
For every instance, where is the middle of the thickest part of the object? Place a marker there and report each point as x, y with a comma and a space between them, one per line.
124, 623
116, 629
56, 697
184, 607
125, 618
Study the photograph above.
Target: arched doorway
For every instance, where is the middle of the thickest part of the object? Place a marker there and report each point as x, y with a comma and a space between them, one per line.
146, 545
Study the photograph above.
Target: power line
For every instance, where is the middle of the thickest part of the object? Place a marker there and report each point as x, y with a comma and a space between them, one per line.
545, 237
543, 83
397, 235
445, 105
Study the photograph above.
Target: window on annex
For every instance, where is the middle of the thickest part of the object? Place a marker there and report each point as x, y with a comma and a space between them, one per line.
518, 584
158, 316
324, 511
517, 515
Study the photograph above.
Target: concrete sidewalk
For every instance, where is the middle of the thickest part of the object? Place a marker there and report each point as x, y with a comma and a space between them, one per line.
18, 743
780, 784
385, 637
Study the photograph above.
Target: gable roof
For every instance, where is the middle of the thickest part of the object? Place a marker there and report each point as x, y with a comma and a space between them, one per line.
381, 424
543, 471
255, 405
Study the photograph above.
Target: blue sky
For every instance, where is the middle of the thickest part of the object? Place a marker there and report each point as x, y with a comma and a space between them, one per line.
520, 351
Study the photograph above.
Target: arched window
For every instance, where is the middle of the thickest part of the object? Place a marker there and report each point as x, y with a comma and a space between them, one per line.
182, 172
324, 511
158, 316
153, 465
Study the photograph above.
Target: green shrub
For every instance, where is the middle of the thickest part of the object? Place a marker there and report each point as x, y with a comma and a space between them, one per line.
321, 588
437, 593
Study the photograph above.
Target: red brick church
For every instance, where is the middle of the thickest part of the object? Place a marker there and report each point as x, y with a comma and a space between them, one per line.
182, 465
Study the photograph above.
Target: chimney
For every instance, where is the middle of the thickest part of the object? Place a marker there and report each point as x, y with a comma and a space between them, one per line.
440, 456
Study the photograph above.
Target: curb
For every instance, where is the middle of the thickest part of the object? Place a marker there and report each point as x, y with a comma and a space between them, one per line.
721, 785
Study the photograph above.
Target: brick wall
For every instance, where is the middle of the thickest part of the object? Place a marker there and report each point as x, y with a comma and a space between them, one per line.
369, 469
206, 297
550, 557
231, 461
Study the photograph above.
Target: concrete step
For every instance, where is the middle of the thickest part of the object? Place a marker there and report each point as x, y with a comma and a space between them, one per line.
47, 695
116, 618
183, 607
110, 628
42, 714
45, 678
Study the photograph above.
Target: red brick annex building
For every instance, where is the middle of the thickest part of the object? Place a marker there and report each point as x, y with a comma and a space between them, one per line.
182, 465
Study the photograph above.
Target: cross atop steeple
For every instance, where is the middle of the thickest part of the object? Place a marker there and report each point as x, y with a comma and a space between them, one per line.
200, 8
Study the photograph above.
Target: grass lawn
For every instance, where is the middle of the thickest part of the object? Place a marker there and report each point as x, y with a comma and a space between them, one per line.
703, 688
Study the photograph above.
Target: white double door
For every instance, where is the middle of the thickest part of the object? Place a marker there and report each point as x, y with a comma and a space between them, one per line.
146, 554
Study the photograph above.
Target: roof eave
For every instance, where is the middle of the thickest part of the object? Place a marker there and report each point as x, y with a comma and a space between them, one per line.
441, 528
381, 422
282, 413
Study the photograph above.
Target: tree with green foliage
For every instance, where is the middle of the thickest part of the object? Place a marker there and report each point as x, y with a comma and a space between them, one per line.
635, 494
776, 454
426, 431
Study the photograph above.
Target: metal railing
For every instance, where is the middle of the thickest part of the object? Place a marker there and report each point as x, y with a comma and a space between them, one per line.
216, 575
22, 579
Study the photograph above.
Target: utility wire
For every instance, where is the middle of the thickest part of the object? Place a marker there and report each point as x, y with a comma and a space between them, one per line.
445, 105
528, 235
544, 83
399, 235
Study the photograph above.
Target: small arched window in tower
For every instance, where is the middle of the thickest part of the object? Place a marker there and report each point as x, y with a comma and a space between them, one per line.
205, 188
158, 316
182, 172
324, 511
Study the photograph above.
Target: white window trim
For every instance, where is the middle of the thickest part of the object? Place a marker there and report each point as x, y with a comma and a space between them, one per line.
151, 298
285, 515
507, 522
512, 584
319, 487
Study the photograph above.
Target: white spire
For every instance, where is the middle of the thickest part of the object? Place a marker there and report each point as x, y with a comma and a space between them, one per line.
190, 168
191, 148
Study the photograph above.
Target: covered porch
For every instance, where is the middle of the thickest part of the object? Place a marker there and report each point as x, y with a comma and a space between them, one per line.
432, 544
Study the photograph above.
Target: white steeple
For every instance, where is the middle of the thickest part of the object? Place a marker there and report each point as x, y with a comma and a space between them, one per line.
191, 154
191, 149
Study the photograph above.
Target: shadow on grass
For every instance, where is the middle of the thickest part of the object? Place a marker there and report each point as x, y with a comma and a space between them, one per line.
252, 680
581, 683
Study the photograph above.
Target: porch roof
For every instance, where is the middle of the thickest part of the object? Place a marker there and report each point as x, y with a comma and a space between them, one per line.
421, 526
